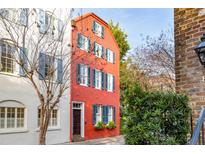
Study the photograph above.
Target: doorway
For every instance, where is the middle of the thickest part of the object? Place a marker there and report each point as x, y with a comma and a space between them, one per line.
78, 121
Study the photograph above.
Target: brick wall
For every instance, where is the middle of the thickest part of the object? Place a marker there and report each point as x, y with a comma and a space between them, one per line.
189, 28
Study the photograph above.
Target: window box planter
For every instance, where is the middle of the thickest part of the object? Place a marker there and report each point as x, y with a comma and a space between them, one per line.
99, 125
111, 125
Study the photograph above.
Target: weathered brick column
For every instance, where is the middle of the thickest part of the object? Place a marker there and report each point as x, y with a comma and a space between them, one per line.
190, 74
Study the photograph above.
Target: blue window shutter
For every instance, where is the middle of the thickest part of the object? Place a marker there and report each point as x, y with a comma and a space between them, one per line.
94, 26
114, 115
24, 16
88, 45
103, 31
102, 52
42, 62
104, 114
24, 61
78, 74
106, 54
94, 48
103, 83
79, 41
93, 77
106, 80
88, 76
113, 57
59, 70
42, 21
94, 114
106, 119
113, 83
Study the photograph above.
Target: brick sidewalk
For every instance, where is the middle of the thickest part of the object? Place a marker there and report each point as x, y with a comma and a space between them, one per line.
118, 140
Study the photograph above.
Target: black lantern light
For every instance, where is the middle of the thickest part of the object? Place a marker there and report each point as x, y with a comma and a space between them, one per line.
200, 50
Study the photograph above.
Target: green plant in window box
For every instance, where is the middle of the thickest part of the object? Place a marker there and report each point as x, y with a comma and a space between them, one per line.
111, 125
99, 125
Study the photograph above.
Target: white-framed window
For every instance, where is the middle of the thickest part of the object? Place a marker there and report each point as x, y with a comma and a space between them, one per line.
98, 113
7, 58
98, 29
54, 122
98, 79
110, 56
50, 67
83, 42
110, 82
99, 50
12, 117
83, 75
110, 113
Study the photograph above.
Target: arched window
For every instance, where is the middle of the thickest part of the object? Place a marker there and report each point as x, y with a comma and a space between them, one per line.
12, 115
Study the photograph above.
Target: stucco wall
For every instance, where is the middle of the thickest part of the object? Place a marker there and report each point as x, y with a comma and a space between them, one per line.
14, 87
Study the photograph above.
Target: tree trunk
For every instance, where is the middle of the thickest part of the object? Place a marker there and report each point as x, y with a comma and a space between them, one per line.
44, 126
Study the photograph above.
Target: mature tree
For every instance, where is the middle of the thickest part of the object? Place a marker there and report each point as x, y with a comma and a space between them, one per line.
121, 38
156, 57
31, 31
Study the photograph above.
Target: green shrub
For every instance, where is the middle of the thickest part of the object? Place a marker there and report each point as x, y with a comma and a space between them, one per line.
99, 125
111, 125
155, 118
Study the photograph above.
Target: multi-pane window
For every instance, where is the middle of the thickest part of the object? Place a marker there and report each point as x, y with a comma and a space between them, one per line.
83, 42
98, 79
99, 50
98, 113
110, 82
98, 29
11, 117
83, 75
49, 67
53, 118
7, 61
103, 113
2, 117
110, 113
110, 56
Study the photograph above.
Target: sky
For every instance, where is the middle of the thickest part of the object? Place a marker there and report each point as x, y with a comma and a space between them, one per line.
137, 22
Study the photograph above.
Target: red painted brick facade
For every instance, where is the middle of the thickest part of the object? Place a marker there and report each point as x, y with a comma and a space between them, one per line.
90, 95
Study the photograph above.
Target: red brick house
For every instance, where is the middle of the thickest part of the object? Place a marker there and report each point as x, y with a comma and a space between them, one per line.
95, 90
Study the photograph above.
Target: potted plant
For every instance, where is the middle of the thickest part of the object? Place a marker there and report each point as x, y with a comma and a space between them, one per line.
99, 125
111, 125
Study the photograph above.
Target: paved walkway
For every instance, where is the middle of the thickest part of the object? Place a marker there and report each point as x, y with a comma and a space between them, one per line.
117, 140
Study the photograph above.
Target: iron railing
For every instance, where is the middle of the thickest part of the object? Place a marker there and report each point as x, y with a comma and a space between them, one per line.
198, 134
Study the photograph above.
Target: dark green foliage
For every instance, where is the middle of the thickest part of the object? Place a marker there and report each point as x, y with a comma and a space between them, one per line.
111, 125
155, 118
121, 39
99, 125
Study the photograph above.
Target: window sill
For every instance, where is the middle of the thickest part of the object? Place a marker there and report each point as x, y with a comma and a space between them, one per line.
12, 131
50, 129
84, 85
83, 49
10, 74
